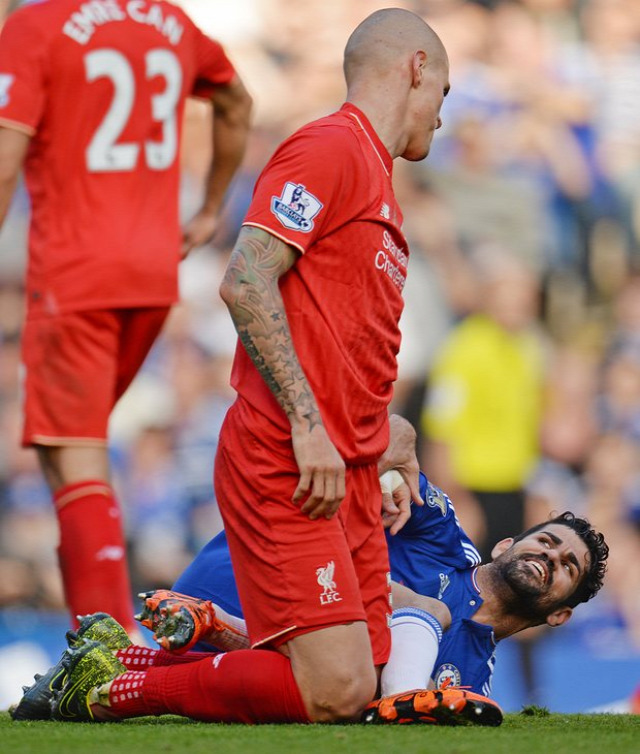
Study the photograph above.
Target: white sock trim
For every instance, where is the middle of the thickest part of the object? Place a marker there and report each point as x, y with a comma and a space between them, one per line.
415, 642
415, 615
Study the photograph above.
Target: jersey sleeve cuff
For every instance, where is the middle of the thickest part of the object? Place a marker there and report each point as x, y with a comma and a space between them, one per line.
17, 125
274, 233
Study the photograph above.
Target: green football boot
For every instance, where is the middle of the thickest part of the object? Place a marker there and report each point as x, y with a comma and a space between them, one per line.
89, 664
36, 700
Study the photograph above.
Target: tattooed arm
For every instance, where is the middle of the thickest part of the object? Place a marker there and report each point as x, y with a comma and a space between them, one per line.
251, 292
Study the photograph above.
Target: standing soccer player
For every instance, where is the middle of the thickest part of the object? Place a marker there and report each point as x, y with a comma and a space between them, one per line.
91, 102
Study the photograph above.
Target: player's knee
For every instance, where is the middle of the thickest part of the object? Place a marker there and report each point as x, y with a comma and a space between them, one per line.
343, 699
334, 670
439, 611
430, 605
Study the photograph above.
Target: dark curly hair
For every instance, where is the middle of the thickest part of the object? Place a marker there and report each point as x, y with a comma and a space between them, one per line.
591, 582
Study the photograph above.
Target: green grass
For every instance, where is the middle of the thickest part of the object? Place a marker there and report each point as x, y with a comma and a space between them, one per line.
537, 732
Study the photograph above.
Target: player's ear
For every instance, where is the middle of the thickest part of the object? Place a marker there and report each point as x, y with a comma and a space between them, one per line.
419, 65
559, 617
502, 546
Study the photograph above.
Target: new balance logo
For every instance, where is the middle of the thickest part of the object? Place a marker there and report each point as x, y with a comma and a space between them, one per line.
385, 211
325, 579
217, 659
110, 552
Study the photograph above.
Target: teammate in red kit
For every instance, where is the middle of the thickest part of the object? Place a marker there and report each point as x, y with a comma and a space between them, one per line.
314, 288
91, 103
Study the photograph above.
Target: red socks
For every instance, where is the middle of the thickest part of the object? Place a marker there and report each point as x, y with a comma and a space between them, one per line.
92, 552
246, 686
135, 657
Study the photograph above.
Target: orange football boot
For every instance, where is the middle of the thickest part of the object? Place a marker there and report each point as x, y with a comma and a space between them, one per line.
179, 621
451, 705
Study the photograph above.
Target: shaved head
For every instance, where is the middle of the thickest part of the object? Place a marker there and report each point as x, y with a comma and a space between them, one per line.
385, 37
397, 73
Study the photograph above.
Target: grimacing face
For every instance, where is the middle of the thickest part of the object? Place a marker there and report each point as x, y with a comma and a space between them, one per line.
543, 570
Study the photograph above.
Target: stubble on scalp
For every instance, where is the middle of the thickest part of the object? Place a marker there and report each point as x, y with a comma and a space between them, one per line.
384, 37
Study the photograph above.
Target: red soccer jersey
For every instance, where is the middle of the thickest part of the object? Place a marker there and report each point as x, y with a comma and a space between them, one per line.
327, 191
101, 87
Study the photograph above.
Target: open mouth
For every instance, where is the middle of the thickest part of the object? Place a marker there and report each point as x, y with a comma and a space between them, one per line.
540, 569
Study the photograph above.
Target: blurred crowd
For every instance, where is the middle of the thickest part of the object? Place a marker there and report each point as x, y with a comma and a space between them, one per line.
523, 223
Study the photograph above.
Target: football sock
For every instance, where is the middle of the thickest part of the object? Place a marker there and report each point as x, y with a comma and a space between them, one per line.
92, 553
247, 686
164, 658
237, 624
415, 640
233, 636
136, 657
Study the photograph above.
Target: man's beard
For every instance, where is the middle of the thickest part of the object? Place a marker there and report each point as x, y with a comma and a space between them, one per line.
526, 596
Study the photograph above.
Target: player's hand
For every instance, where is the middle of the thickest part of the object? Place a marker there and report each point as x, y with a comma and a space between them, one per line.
198, 231
396, 501
321, 487
401, 456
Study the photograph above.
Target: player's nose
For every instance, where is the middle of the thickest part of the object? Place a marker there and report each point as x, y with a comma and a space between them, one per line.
553, 558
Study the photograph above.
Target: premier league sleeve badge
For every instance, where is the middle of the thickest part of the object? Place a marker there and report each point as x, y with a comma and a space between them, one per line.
296, 207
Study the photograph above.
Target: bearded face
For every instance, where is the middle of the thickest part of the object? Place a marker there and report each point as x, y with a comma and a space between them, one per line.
530, 581
536, 575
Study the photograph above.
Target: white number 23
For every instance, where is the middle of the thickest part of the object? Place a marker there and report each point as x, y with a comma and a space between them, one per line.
104, 154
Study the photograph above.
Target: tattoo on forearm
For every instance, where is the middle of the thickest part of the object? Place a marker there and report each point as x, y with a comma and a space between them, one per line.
259, 361
258, 312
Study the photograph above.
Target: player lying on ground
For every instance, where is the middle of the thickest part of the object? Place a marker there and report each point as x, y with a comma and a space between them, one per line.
538, 577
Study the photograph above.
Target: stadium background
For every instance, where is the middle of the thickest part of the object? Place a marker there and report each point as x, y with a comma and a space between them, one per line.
539, 156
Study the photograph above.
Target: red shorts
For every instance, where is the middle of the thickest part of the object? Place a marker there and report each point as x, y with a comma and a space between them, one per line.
294, 574
77, 365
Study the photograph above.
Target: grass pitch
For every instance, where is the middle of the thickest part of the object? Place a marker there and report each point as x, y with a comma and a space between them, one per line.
537, 732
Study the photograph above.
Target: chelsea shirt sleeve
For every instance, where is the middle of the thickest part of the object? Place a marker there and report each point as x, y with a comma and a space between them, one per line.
434, 533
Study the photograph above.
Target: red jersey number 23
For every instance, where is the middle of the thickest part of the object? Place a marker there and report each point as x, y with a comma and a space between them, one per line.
104, 154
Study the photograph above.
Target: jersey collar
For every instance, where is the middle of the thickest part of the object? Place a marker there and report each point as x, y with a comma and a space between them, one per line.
474, 579
379, 148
